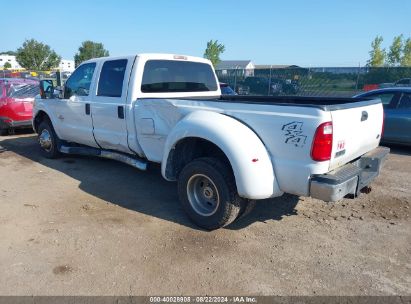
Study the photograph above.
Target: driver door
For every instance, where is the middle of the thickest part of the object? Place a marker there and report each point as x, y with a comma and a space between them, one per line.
73, 111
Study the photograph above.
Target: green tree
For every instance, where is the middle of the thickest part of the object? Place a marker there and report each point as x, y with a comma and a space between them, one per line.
34, 55
377, 54
406, 53
90, 49
213, 51
394, 54
7, 65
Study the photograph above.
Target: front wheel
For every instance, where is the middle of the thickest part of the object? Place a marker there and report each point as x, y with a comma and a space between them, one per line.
207, 191
48, 140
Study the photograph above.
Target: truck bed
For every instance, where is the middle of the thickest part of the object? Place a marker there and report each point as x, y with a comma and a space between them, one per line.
324, 103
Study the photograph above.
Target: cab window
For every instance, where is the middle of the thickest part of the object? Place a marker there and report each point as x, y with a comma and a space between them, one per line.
79, 82
111, 79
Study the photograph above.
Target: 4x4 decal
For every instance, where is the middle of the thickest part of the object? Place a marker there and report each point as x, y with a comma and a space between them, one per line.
294, 134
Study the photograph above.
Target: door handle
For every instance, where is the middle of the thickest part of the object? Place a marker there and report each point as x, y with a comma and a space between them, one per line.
364, 115
87, 109
120, 112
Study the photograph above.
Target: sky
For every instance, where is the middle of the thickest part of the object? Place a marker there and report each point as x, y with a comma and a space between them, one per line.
302, 32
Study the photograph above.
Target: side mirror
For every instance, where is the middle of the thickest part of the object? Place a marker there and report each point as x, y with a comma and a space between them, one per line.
46, 89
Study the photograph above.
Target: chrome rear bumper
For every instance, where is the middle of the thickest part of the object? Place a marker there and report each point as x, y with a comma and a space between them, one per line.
350, 178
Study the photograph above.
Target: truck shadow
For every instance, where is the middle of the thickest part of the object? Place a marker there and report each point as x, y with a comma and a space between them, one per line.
145, 192
266, 210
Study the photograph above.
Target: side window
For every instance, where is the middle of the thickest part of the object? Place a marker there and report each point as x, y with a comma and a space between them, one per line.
111, 79
405, 102
385, 98
79, 82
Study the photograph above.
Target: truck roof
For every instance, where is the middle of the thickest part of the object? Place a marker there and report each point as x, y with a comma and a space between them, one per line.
153, 56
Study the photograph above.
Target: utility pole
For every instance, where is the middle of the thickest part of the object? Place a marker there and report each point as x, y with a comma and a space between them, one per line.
269, 81
358, 76
235, 78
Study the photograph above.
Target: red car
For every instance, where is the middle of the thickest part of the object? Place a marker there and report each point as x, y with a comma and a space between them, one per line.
16, 103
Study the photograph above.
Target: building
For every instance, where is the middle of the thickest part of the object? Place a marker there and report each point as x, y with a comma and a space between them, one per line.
276, 66
10, 59
66, 65
284, 71
239, 67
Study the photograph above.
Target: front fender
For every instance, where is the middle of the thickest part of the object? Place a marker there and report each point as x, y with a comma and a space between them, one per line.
249, 159
41, 106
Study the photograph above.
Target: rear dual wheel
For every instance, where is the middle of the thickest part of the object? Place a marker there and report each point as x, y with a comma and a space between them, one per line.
208, 193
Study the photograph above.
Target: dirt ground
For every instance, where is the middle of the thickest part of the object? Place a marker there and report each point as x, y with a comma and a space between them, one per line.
87, 226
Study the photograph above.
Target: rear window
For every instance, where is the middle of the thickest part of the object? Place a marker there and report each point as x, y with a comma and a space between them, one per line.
22, 90
167, 76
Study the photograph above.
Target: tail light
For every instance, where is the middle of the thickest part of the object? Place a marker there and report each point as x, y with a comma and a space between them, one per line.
382, 126
323, 142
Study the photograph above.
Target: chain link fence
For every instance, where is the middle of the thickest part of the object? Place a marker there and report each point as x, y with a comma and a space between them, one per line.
313, 81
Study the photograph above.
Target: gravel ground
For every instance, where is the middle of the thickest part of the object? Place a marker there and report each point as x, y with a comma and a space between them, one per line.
86, 226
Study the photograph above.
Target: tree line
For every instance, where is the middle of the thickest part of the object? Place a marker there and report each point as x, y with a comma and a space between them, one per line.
37, 56
398, 54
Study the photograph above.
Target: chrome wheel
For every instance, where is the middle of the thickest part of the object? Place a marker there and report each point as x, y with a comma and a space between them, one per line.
45, 140
203, 195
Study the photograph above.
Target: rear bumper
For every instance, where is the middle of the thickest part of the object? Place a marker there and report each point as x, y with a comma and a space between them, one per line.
350, 178
6, 123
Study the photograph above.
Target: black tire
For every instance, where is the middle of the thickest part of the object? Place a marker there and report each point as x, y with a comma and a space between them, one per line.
223, 184
4, 132
51, 151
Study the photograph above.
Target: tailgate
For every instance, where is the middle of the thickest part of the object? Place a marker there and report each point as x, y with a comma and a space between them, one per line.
356, 131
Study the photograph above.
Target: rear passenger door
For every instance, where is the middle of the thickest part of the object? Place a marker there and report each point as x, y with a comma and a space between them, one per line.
108, 107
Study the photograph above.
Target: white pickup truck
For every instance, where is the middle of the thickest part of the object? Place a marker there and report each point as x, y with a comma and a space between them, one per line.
226, 152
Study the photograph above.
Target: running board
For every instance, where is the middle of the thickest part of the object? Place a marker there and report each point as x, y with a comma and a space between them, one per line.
89, 151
